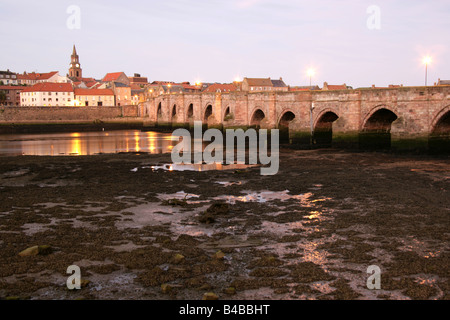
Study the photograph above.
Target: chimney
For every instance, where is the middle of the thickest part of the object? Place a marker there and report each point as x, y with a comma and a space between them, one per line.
373, 86
325, 86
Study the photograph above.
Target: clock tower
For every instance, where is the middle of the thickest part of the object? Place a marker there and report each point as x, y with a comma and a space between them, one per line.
75, 69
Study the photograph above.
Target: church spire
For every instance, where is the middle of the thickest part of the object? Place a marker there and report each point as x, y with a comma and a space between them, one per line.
75, 68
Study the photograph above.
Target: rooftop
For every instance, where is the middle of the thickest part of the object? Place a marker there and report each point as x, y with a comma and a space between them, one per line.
263, 82
222, 87
50, 87
113, 76
12, 87
36, 76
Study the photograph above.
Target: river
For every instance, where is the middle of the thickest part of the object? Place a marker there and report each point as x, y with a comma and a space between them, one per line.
85, 143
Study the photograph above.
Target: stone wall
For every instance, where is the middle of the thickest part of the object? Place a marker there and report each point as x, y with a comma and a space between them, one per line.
69, 114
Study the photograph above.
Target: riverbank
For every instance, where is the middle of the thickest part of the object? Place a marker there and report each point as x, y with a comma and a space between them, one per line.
70, 126
309, 232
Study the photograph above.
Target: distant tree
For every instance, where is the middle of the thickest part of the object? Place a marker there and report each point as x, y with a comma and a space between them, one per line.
2, 97
1, 83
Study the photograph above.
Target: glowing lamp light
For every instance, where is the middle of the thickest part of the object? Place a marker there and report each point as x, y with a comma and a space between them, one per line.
311, 72
427, 60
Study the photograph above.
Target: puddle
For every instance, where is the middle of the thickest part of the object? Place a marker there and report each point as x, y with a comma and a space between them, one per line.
201, 167
230, 183
181, 195
265, 196
178, 220
127, 246
232, 242
16, 173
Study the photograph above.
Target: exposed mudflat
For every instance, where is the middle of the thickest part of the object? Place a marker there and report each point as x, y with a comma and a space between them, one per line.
309, 232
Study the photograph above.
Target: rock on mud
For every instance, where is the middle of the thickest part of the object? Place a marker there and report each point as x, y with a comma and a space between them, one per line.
36, 250
210, 296
214, 210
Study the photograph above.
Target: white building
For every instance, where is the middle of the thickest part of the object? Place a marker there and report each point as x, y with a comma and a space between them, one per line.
94, 97
8, 78
48, 94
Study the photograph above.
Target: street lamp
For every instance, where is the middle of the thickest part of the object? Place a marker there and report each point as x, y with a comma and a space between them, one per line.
426, 61
311, 72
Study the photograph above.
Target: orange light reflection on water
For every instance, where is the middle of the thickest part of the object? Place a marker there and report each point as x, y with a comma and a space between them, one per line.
75, 144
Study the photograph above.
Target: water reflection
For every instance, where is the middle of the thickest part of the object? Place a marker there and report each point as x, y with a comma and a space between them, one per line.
201, 167
85, 143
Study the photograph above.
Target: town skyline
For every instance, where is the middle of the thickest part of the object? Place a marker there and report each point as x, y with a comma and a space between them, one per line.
220, 42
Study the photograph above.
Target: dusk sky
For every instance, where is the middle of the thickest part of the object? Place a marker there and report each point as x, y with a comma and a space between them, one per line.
218, 41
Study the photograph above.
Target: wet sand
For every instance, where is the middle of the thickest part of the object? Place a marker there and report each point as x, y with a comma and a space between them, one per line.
309, 232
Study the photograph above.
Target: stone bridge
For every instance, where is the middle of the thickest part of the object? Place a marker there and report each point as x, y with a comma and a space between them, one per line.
402, 118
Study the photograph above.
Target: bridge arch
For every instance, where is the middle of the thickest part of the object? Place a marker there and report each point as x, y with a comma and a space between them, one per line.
190, 112
379, 119
173, 114
207, 112
285, 118
376, 130
283, 125
323, 127
226, 113
441, 122
439, 140
257, 116
159, 111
